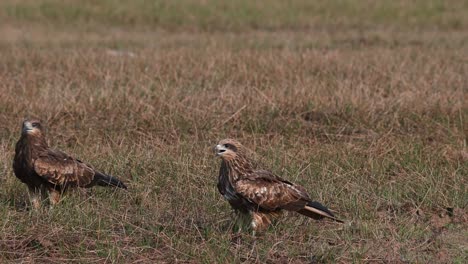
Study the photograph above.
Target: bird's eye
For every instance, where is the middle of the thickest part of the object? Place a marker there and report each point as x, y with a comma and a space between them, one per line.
227, 145
35, 124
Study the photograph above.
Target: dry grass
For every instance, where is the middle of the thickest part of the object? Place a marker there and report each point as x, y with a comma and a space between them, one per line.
369, 118
240, 15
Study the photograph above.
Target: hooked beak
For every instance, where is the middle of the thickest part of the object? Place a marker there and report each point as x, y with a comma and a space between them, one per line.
220, 149
27, 126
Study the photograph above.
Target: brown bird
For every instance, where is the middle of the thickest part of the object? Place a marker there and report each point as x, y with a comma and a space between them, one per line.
46, 170
260, 193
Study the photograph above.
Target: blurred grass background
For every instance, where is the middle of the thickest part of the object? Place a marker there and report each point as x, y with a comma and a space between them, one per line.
212, 15
362, 102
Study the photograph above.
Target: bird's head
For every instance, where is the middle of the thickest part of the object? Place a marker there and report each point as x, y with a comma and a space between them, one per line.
31, 127
228, 149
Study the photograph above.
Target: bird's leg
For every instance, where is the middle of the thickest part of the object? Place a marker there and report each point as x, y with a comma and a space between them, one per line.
247, 220
54, 197
36, 200
260, 221
35, 197
237, 219
240, 220
256, 222
237, 228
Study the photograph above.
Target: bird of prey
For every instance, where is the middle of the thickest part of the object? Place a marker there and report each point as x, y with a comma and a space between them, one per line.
260, 193
44, 169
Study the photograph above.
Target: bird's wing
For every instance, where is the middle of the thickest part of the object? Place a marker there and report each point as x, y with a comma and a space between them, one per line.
61, 169
271, 192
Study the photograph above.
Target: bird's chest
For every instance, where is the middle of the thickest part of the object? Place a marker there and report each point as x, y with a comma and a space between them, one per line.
22, 159
23, 165
226, 189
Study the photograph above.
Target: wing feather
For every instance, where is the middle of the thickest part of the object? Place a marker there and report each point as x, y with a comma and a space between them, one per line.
271, 192
61, 169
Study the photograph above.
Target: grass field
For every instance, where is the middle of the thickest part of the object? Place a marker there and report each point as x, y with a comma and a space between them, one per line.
364, 103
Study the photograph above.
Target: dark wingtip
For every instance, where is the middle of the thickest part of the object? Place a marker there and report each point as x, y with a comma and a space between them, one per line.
118, 183
108, 180
123, 186
321, 207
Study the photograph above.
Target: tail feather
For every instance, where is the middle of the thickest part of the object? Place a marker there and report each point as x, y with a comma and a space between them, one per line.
316, 210
107, 180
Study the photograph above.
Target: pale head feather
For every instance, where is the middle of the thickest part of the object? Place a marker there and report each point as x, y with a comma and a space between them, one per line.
31, 127
229, 149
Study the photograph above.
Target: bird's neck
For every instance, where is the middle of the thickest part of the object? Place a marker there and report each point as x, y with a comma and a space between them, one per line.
237, 168
34, 143
27, 148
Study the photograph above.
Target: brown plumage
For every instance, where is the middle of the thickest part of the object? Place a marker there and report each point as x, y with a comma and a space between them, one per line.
259, 192
46, 170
